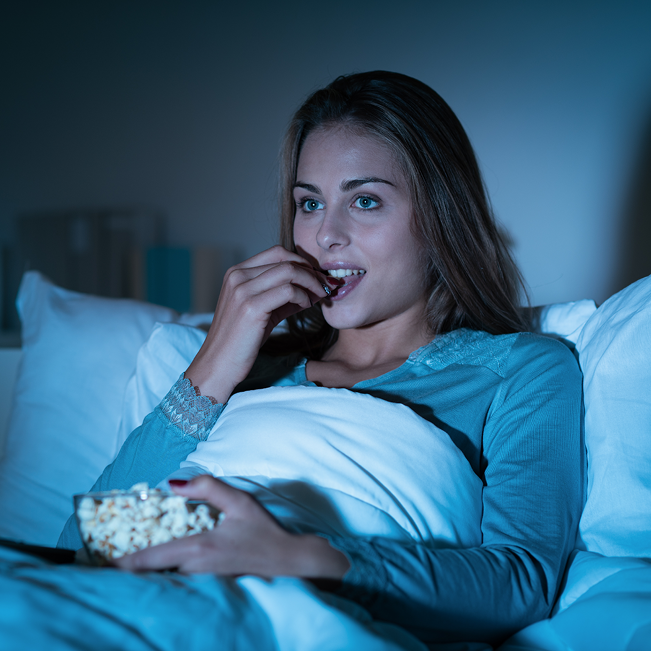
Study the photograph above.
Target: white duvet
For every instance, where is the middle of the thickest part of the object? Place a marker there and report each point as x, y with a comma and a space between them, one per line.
344, 463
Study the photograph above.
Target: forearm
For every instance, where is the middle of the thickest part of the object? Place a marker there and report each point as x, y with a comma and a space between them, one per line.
156, 448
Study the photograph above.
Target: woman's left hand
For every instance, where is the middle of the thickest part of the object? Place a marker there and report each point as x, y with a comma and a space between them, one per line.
247, 541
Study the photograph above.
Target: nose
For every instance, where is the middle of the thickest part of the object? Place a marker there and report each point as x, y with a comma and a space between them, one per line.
333, 231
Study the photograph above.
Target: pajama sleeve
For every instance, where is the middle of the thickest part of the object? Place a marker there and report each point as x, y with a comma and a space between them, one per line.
156, 448
533, 491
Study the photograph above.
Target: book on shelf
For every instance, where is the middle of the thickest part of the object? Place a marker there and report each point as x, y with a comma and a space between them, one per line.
114, 253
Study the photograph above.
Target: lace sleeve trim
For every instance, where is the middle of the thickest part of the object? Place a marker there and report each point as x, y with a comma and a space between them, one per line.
185, 407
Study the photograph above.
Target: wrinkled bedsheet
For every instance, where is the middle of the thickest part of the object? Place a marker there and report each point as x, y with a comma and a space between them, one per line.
605, 606
44, 606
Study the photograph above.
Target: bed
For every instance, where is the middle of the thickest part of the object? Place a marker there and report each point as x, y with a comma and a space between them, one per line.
91, 368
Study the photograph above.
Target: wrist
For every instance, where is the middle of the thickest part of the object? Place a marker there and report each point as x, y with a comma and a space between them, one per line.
207, 379
314, 558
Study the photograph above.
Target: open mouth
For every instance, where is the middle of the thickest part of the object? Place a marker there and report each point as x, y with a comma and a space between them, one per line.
344, 273
351, 278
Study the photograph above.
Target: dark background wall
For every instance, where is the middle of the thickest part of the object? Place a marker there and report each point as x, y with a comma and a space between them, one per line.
180, 106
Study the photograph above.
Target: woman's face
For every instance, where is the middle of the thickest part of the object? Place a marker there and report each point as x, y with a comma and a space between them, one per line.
353, 219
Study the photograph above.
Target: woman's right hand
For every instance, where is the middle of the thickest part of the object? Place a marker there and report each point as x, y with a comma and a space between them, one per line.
256, 296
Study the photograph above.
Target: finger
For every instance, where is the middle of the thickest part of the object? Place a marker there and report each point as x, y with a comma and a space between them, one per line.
269, 275
207, 557
282, 313
210, 489
314, 282
246, 272
159, 557
274, 255
260, 305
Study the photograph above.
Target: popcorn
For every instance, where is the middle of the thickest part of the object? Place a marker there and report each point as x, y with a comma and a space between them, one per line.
122, 522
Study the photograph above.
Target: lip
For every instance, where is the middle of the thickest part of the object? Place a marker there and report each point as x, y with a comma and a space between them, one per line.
342, 291
350, 282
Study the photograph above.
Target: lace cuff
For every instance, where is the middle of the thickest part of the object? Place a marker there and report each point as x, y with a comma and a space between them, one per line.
185, 407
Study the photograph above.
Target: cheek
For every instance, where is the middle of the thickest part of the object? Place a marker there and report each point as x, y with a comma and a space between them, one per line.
404, 247
298, 236
413, 261
304, 243
303, 238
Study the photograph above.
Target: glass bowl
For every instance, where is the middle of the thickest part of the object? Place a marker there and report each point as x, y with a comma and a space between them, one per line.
118, 522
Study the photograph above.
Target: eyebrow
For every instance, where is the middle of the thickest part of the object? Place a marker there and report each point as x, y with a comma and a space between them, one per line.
345, 186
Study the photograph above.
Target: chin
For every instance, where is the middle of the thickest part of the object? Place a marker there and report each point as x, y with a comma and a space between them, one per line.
340, 321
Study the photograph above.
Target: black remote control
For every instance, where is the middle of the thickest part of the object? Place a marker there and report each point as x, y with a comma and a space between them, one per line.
52, 554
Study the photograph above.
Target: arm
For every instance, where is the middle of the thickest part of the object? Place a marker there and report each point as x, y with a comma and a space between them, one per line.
156, 448
255, 297
533, 456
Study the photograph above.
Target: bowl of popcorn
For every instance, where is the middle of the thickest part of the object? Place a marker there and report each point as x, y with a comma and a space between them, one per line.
118, 522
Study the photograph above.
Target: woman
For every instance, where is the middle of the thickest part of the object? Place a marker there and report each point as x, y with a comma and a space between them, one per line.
395, 282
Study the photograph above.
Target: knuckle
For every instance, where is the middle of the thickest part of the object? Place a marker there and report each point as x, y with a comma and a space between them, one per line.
203, 481
287, 290
288, 266
248, 306
236, 275
241, 294
229, 273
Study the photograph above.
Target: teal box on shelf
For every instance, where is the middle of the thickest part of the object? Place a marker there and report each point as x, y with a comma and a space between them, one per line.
169, 277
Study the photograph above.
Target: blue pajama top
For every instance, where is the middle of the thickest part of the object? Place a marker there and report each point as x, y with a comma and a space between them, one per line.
513, 405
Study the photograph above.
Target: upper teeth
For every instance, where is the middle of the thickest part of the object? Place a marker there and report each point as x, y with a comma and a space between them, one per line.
340, 273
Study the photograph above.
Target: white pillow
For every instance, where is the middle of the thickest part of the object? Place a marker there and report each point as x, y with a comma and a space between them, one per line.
161, 360
564, 320
78, 354
614, 351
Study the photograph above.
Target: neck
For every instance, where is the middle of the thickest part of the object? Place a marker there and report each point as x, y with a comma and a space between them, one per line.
377, 344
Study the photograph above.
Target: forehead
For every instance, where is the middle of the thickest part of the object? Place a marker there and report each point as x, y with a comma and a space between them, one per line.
347, 153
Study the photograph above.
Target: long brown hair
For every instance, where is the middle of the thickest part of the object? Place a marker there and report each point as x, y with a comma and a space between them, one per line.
472, 280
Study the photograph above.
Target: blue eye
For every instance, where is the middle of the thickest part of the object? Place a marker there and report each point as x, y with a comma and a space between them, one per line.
366, 203
310, 205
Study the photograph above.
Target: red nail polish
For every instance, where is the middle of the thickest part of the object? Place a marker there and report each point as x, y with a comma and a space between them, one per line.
177, 482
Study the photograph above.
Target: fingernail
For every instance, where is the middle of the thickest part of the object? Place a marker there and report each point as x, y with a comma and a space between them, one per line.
337, 281
327, 290
177, 482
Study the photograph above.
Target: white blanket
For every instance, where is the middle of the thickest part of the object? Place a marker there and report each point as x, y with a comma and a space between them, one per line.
340, 462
